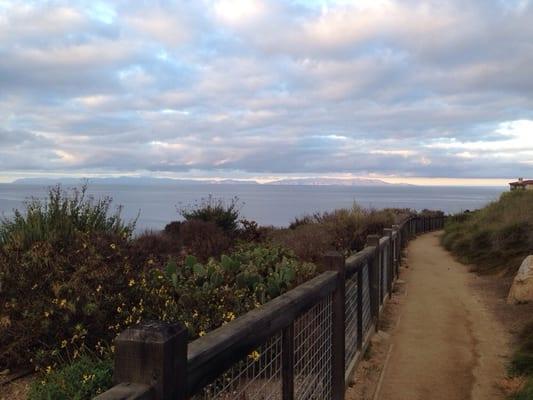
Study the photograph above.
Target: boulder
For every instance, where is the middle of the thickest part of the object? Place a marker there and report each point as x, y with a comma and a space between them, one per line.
522, 288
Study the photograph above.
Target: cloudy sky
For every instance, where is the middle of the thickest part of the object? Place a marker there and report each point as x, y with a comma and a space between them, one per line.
267, 88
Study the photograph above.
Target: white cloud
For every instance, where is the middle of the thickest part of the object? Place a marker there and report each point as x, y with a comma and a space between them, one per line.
267, 87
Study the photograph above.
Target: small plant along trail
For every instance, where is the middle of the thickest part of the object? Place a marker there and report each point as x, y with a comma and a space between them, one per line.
446, 345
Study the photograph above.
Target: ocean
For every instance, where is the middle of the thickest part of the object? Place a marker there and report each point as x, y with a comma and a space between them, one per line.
275, 205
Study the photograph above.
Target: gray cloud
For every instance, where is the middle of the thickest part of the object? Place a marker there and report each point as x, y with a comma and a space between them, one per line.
407, 88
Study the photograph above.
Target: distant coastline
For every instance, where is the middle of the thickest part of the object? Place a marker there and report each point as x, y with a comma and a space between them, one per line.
141, 181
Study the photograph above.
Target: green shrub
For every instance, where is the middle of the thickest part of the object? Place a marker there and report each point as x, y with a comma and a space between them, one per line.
82, 379
224, 214
57, 301
207, 295
522, 361
57, 219
496, 237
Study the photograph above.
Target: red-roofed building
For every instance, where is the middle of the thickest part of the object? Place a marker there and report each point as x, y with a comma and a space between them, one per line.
522, 184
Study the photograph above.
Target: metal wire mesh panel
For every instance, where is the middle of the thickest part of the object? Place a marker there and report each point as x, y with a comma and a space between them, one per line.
350, 320
384, 272
367, 313
312, 345
257, 377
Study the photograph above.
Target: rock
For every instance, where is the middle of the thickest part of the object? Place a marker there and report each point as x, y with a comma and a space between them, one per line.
522, 288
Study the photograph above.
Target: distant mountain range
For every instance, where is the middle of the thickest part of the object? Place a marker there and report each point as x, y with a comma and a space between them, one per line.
143, 181
332, 181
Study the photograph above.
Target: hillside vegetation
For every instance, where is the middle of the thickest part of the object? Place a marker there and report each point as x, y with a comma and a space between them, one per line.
73, 276
495, 238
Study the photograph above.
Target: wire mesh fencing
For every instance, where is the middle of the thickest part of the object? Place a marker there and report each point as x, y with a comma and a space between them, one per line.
384, 271
301, 345
367, 311
259, 376
312, 352
350, 319
256, 377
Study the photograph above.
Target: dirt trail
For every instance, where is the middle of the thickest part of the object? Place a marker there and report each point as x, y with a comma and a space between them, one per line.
446, 345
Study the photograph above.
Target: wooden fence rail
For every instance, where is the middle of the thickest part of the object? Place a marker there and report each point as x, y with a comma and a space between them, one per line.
304, 344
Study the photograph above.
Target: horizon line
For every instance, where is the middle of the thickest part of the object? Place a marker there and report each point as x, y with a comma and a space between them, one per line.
417, 181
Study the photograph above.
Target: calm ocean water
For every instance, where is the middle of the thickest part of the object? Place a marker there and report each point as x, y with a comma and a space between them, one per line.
266, 204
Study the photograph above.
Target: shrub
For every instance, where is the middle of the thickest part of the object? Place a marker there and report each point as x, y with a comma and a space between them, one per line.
308, 241
496, 237
526, 393
204, 239
58, 300
303, 220
173, 228
522, 362
60, 217
82, 379
250, 231
206, 295
154, 248
344, 229
224, 214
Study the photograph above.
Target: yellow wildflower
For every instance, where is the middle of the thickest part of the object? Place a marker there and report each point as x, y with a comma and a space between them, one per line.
230, 316
254, 355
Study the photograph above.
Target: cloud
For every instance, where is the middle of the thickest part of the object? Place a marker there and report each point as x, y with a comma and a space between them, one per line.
392, 88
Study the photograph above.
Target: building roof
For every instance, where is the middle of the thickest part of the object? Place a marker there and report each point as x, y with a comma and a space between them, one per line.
522, 183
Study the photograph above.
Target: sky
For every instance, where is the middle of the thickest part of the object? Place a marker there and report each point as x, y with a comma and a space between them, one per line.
409, 91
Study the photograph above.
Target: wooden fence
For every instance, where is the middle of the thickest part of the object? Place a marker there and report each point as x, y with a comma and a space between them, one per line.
304, 344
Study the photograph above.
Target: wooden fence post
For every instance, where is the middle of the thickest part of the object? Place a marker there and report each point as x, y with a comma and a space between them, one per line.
397, 249
374, 267
287, 363
389, 260
360, 308
334, 261
152, 354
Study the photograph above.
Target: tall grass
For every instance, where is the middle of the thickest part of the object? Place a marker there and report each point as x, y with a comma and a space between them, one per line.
58, 217
343, 230
496, 237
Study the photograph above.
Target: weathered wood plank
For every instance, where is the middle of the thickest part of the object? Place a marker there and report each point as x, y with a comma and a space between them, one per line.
334, 261
356, 261
287, 363
128, 391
